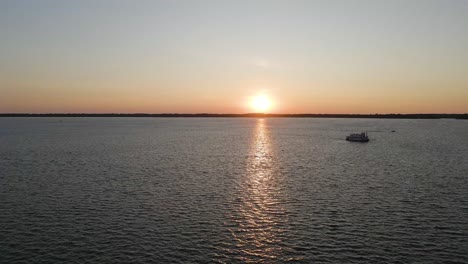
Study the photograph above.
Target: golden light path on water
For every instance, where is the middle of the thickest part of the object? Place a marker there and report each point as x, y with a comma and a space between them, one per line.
260, 219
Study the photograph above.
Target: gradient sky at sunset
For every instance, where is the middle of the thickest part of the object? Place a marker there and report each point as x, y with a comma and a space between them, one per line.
214, 56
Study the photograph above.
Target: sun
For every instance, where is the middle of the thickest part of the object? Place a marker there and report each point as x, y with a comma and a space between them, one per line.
260, 103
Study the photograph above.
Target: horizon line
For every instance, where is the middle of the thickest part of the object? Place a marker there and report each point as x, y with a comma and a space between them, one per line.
249, 115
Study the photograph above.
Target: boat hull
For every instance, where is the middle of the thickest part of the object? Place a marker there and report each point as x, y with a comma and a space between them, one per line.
358, 140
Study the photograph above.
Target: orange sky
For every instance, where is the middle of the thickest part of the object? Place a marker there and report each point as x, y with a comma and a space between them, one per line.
215, 56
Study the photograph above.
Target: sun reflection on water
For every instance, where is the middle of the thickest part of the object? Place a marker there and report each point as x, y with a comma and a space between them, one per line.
260, 219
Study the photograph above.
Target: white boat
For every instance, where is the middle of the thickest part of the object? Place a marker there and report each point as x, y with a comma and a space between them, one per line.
358, 137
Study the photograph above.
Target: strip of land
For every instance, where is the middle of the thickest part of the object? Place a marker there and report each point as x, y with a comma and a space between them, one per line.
256, 115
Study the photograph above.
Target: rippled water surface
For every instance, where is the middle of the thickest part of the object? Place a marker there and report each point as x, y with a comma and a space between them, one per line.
189, 190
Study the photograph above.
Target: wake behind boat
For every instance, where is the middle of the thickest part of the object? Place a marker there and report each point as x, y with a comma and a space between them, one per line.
358, 137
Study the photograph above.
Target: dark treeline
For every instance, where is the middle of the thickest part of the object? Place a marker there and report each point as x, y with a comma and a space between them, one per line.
396, 116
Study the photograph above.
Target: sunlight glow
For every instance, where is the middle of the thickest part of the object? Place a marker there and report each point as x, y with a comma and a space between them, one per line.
260, 103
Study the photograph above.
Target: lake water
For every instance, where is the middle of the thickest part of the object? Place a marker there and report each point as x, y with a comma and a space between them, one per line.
232, 190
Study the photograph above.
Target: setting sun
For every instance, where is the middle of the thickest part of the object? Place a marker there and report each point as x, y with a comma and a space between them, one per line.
260, 103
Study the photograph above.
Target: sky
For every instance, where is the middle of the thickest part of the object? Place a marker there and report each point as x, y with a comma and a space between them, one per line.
196, 56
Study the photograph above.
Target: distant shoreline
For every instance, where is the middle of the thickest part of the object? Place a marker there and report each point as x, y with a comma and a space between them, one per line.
255, 115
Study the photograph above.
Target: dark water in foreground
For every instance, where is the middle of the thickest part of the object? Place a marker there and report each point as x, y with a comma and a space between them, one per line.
117, 190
